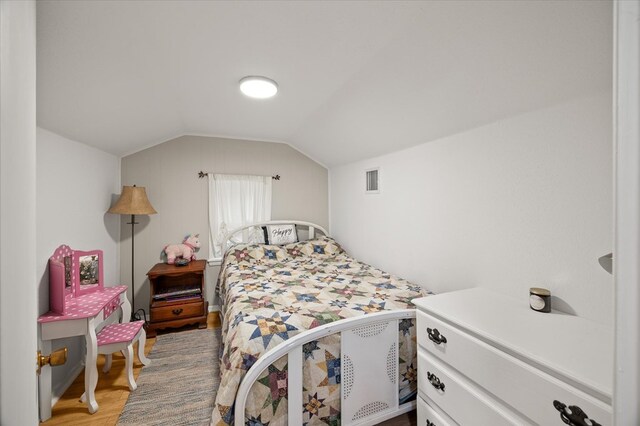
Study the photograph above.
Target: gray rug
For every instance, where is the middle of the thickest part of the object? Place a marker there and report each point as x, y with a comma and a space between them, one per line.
180, 385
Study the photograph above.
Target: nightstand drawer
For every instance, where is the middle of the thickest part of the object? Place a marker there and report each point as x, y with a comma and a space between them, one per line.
458, 398
513, 381
173, 312
429, 415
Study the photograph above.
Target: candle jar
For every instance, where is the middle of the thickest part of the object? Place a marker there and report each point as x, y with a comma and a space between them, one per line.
540, 299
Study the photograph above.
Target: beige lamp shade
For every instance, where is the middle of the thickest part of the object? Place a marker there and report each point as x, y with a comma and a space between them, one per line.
133, 200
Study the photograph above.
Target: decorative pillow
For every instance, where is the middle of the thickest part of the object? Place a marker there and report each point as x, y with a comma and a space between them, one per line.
323, 246
267, 252
281, 234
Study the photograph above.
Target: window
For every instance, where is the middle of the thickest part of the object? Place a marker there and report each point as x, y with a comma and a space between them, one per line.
234, 201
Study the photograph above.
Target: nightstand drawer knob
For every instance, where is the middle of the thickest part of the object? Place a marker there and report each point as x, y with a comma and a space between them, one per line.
176, 311
435, 381
435, 336
573, 415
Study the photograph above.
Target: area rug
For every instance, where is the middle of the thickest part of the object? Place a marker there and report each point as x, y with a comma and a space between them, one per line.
180, 385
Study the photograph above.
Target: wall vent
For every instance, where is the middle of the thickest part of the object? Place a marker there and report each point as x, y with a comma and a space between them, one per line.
373, 184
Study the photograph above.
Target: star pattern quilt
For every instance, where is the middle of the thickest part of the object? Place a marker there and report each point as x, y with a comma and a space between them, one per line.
271, 293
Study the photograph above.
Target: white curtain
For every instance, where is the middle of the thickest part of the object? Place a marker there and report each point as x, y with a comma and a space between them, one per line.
234, 201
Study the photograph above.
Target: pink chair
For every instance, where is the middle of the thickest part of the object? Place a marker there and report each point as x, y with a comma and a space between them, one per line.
120, 337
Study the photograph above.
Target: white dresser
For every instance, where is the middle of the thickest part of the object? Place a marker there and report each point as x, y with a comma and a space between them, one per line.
488, 359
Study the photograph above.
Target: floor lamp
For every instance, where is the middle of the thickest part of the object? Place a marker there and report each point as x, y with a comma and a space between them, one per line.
133, 201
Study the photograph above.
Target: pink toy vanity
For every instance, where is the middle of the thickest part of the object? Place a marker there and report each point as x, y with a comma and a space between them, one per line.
79, 305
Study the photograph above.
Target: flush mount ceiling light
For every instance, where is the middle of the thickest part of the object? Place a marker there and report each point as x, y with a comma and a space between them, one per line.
258, 87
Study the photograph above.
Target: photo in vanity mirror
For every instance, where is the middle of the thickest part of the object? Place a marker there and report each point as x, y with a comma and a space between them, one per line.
89, 269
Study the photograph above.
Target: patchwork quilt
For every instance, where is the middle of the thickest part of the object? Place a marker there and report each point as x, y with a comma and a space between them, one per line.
271, 293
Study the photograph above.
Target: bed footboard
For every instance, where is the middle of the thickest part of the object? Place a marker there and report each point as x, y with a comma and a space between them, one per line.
369, 369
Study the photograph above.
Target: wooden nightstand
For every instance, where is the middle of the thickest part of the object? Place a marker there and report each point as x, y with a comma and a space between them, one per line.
177, 296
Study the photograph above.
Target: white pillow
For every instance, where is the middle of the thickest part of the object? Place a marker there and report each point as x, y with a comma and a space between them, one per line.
256, 236
282, 234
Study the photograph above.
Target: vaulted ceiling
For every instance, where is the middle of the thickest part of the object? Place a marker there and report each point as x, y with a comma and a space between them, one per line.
356, 79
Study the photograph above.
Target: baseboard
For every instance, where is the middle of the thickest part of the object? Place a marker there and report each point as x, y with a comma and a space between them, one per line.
56, 394
214, 308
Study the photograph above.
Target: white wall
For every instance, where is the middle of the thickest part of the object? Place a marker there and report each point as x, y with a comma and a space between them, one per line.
526, 201
169, 173
18, 404
75, 183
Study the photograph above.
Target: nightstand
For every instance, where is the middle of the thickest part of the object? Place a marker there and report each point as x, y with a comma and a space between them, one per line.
177, 296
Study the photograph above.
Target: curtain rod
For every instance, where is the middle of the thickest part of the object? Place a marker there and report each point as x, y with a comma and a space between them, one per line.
202, 174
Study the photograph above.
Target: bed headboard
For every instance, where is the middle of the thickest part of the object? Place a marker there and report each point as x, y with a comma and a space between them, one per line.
312, 229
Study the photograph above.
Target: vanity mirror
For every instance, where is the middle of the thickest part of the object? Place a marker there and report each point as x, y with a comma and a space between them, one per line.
88, 273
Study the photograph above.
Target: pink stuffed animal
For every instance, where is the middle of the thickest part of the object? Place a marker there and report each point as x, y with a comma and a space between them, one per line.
186, 250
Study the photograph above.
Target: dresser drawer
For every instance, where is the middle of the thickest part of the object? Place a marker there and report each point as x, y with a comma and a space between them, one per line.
529, 390
459, 399
173, 312
428, 415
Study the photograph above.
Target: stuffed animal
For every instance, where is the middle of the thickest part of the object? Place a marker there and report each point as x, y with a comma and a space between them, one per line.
186, 250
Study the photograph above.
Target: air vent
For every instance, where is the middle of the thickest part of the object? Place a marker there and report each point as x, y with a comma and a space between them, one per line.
373, 186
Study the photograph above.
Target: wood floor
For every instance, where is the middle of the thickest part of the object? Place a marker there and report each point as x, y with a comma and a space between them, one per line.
407, 419
112, 393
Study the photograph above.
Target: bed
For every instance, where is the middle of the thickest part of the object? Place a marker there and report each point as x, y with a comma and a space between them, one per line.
312, 336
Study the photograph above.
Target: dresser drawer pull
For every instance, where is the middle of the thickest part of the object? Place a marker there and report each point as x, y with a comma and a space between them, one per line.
573, 415
176, 311
435, 336
435, 381
430, 423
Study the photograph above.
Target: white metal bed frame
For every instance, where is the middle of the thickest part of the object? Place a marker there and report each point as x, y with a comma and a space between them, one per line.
311, 226
368, 360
